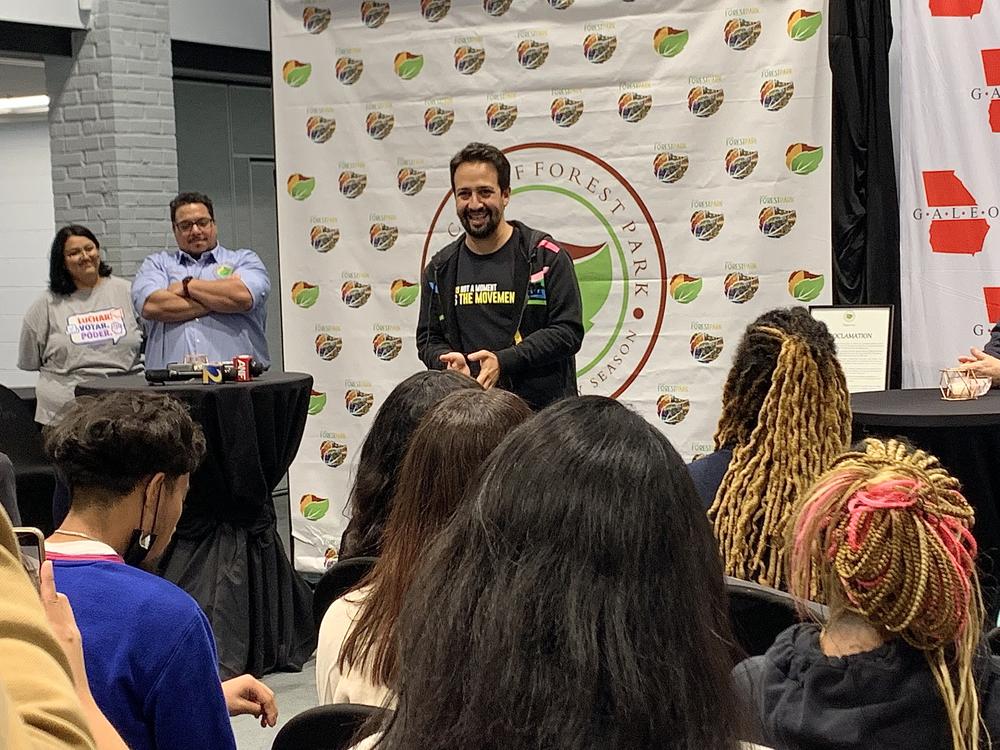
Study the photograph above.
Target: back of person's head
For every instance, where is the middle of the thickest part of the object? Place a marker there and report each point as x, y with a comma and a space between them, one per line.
385, 444
575, 600
885, 535
108, 444
453, 439
786, 414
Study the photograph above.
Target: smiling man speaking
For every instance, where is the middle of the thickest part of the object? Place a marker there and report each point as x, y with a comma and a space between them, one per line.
201, 299
500, 303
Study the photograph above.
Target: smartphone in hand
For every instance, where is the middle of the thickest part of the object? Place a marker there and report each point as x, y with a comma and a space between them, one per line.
32, 545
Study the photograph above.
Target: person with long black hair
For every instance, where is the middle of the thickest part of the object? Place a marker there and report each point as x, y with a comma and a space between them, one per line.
575, 601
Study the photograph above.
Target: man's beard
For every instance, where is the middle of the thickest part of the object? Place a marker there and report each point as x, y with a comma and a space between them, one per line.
487, 229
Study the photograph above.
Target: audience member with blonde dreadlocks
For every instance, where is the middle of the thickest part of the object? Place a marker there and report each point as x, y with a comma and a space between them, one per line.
786, 415
884, 539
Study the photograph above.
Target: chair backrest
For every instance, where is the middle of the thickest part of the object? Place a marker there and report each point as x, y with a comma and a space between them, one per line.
20, 438
336, 582
760, 613
330, 727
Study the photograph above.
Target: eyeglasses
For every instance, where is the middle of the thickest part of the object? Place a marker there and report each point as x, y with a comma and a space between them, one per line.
186, 226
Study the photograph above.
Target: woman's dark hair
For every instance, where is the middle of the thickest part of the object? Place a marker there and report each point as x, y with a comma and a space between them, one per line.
60, 282
483, 153
575, 601
453, 439
382, 453
112, 442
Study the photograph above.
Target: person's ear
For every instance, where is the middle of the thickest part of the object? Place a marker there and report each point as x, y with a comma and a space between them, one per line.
156, 490
506, 197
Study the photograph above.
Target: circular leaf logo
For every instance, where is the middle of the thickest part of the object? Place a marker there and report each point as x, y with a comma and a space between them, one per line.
328, 347
668, 41
740, 163
317, 400
740, 33
740, 287
354, 293
313, 507
382, 236
669, 167
560, 4
304, 294
500, 116
301, 187
684, 288
706, 225
404, 293
496, 8
315, 20
438, 121
469, 60
332, 453
296, 73
408, 65
379, 124
386, 347
672, 409
775, 222
434, 10
633, 107
532, 54
704, 101
320, 129
224, 271
566, 112
801, 158
803, 24
352, 184
775, 94
805, 286
323, 238
349, 70
373, 14
598, 48
411, 181
706, 348
358, 403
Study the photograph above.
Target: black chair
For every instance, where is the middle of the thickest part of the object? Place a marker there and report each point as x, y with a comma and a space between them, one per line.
35, 476
330, 727
335, 582
759, 613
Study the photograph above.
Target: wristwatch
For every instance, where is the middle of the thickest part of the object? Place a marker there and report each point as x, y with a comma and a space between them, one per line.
184, 282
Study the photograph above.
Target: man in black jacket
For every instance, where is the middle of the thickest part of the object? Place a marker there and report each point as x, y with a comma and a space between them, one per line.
500, 303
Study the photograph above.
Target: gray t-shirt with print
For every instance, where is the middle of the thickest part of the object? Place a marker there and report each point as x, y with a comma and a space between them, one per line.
70, 338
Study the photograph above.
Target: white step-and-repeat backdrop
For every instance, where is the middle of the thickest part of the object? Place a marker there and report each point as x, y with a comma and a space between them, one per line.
680, 155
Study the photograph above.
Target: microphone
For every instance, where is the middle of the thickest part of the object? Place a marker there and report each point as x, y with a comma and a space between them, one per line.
181, 371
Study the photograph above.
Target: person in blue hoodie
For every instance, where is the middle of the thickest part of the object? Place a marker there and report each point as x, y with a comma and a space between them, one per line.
149, 649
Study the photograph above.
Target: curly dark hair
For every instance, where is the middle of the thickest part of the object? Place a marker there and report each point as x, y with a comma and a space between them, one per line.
114, 441
485, 153
575, 600
184, 199
60, 282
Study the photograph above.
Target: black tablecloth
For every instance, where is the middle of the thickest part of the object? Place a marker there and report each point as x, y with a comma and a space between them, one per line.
965, 436
226, 551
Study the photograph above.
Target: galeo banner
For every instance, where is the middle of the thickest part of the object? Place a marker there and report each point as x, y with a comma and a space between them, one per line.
949, 182
680, 157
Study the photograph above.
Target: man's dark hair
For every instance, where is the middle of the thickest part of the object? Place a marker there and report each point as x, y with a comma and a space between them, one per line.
112, 442
60, 281
557, 609
484, 153
184, 199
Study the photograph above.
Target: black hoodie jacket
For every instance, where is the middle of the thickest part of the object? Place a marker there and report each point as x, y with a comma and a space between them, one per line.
538, 365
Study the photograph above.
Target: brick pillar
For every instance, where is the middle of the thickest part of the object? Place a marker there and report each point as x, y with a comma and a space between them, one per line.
111, 127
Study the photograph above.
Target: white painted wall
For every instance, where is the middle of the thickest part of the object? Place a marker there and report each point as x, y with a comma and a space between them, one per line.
27, 218
43, 12
230, 23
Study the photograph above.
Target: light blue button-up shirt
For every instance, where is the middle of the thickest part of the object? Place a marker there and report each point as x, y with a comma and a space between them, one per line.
219, 336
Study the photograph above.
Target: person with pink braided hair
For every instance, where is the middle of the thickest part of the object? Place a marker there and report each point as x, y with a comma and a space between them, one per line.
884, 539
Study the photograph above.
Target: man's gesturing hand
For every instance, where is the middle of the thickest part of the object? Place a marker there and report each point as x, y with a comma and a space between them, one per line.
456, 361
489, 367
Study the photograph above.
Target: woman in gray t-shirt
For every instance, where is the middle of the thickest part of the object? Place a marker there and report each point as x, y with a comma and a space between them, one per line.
82, 327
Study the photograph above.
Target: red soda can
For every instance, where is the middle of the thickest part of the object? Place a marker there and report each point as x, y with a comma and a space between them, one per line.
241, 363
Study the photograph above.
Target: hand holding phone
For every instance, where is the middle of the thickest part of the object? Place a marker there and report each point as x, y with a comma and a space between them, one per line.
31, 542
